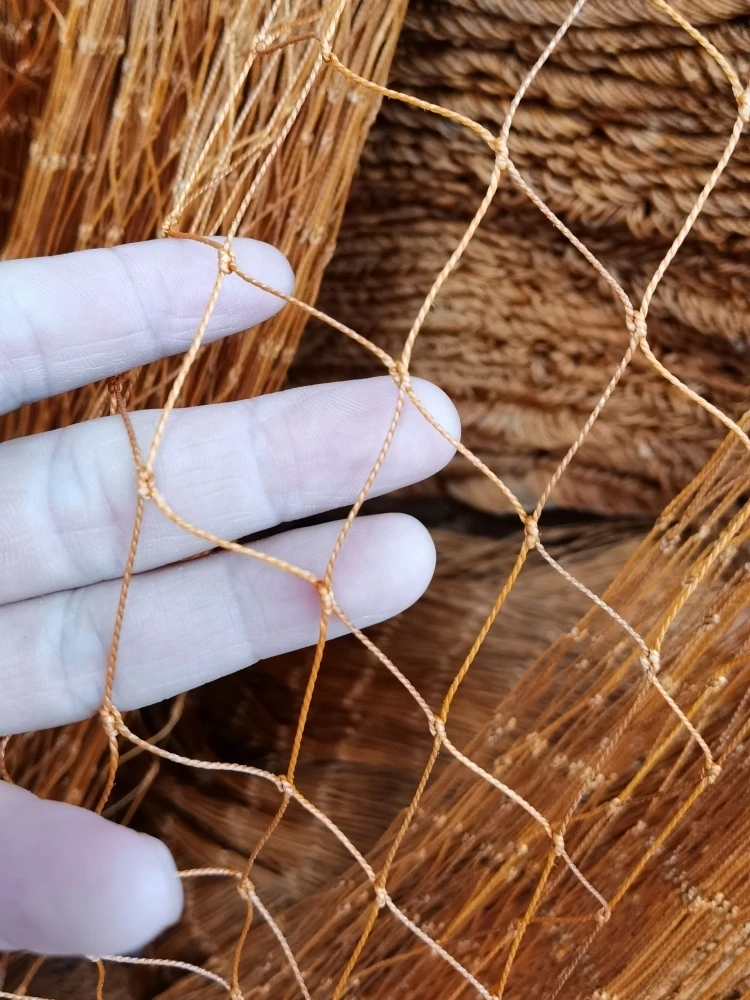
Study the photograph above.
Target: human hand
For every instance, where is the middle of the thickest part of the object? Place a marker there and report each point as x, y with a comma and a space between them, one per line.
70, 881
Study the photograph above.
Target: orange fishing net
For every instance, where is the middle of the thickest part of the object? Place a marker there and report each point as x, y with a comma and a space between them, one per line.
617, 136
590, 839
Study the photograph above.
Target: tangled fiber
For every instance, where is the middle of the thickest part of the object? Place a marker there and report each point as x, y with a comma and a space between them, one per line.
617, 136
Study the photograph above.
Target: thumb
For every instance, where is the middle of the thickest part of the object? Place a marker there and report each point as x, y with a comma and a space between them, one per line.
72, 883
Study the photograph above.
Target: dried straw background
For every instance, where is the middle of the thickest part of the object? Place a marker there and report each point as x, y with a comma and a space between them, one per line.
617, 136
204, 937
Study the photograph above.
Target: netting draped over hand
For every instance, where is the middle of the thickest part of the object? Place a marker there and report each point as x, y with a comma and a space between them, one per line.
644, 651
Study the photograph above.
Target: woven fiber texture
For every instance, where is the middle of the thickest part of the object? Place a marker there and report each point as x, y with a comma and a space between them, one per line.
617, 137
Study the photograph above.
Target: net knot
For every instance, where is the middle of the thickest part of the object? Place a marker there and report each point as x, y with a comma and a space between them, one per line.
325, 50
381, 896
227, 260
713, 770
245, 888
146, 483
399, 372
499, 146
285, 785
325, 593
111, 720
437, 727
531, 531
559, 844
651, 663
640, 330
236, 993
743, 106
614, 805
603, 916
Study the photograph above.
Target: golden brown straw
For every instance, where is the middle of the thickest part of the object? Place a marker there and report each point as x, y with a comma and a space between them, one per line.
591, 772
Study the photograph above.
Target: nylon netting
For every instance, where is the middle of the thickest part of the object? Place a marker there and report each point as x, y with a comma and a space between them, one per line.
638, 649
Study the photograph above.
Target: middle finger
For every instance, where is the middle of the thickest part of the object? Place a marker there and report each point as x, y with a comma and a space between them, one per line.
67, 498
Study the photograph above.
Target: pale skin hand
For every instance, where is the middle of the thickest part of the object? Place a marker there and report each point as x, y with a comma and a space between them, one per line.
72, 882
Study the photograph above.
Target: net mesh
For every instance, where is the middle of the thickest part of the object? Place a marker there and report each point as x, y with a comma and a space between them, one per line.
552, 753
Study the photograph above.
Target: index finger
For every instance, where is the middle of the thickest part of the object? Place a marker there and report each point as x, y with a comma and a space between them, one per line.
76, 318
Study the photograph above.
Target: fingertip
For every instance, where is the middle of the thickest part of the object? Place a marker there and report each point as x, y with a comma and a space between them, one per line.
413, 540
156, 890
387, 567
136, 890
439, 405
240, 304
266, 263
418, 557
74, 883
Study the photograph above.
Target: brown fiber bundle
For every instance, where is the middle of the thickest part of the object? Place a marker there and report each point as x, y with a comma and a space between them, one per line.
617, 137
